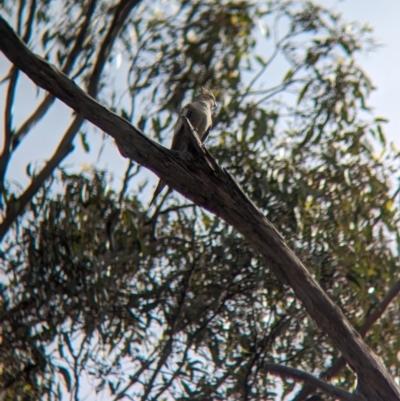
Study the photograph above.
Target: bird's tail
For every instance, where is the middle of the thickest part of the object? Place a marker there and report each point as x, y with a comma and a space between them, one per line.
161, 185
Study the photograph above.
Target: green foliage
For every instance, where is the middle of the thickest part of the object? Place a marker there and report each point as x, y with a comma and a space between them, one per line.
173, 303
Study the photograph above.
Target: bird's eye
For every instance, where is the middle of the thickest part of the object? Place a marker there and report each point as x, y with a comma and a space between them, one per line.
214, 105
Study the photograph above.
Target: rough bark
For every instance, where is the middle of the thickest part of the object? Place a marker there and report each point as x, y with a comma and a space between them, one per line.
212, 188
341, 362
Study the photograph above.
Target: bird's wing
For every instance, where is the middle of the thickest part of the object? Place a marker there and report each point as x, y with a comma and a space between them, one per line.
179, 141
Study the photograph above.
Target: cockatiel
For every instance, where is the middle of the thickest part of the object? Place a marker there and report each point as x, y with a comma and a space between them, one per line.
199, 113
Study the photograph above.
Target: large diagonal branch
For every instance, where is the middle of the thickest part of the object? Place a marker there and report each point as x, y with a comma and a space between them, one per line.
215, 190
122, 11
368, 323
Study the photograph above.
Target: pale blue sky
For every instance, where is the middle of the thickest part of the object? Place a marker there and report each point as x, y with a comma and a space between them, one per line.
383, 64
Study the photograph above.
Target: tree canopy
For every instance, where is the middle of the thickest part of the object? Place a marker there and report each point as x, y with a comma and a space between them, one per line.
102, 295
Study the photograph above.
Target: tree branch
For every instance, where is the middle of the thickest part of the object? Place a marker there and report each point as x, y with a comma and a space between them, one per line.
341, 362
281, 370
217, 192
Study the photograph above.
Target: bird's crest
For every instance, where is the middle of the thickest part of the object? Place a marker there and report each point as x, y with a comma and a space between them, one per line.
207, 92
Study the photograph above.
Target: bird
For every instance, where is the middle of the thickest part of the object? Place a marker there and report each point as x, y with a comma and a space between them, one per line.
199, 113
